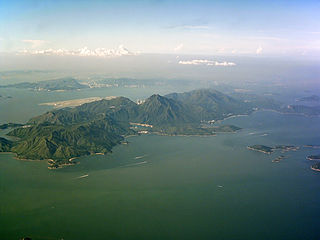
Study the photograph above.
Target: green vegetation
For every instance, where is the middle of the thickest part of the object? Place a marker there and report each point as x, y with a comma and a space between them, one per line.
61, 142
5, 145
261, 148
96, 127
257, 101
268, 150
50, 85
286, 148
211, 104
10, 125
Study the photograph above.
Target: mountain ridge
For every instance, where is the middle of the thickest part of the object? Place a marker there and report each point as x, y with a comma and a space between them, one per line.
96, 127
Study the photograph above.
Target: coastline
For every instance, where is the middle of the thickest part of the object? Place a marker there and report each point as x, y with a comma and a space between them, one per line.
312, 159
315, 169
286, 113
257, 150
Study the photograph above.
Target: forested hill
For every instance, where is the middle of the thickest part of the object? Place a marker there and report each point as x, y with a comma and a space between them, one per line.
98, 126
61, 84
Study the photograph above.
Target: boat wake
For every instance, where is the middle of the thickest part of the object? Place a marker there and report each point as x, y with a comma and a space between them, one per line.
83, 176
139, 157
135, 164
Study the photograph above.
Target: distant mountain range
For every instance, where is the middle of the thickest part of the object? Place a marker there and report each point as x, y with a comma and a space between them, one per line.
61, 84
312, 98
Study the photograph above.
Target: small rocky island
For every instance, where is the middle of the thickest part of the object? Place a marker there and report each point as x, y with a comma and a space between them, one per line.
316, 167
261, 148
313, 157
287, 148
278, 159
269, 150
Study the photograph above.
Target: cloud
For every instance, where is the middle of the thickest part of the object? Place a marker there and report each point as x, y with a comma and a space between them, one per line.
35, 43
178, 48
98, 52
259, 50
207, 63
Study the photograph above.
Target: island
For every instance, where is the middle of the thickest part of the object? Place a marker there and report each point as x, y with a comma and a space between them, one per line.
269, 150
308, 111
61, 84
313, 157
278, 159
311, 146
312, 98
261, 148
286, 148
62, 135
4, 97
316, 167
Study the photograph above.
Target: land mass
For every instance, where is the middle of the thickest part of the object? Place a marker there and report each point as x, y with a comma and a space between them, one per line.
5, 145
316, 167
261, 148
314, 157
74, 102
61, 84
312, 98
269, 150
301, 109
96, 127
10, 125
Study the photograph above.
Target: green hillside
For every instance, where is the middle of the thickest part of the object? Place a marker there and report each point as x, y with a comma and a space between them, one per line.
98, 126
50, 85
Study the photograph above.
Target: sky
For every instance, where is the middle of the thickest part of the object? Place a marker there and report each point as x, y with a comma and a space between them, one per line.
161, 27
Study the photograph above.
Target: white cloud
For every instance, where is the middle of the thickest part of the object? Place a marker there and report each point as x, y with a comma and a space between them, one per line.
259, 50
35, 43
98, 52
178, 48
206, 63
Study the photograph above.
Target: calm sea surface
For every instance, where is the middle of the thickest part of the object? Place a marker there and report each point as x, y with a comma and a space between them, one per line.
161, 187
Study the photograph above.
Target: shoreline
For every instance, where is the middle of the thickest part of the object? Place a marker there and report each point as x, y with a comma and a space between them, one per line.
286, 113
49, 161
315, 169
257, 150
